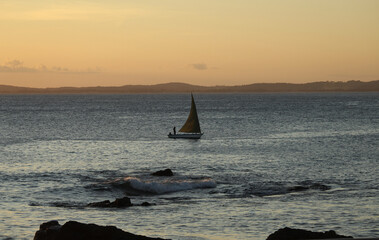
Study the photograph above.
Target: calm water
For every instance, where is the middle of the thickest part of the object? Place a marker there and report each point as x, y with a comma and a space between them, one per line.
61, 152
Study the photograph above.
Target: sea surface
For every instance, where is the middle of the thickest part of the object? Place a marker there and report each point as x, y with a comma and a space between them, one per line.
265, 161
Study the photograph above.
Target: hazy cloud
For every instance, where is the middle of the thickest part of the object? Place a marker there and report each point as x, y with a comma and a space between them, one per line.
18, 66
15, 66
199, 66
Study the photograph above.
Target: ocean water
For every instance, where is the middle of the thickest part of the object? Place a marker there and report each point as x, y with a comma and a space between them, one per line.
265, 161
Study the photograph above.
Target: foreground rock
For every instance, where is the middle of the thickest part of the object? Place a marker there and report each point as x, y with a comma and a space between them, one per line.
294, 234
167, 172
80, 231
118, 203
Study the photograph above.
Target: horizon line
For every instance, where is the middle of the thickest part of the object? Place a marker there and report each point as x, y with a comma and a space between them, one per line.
184, 83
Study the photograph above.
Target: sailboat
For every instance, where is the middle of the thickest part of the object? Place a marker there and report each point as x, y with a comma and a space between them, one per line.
191, 128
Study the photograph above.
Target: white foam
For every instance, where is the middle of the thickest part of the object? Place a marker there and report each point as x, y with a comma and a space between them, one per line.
169, 185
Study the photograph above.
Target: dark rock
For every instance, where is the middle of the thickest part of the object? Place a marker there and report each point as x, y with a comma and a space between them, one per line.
295, 234
104, 204
167, 172
297, 189
146, 204
47, 229
315, 186
50, 224
121, 202
80, 231
118, 203
320, 186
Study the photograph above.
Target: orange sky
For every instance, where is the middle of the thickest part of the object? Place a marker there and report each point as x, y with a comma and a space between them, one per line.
47, 43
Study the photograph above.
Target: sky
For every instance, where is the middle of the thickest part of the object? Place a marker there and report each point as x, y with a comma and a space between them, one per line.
47, 43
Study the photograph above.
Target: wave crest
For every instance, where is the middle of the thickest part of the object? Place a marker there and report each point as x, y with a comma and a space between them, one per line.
167, 186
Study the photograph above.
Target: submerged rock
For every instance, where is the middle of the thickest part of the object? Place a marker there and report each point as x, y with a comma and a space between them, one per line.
315, 186
118, 203
320, 186
121, 202
105, 203
80, 231
167, 172
294, 234
297, 188
146, 204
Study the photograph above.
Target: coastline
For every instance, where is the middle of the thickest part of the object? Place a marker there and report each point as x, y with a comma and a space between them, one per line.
349, 86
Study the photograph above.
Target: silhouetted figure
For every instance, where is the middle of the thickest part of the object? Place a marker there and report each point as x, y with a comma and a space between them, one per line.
174, 130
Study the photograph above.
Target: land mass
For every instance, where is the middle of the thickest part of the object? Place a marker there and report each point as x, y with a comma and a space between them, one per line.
330, 86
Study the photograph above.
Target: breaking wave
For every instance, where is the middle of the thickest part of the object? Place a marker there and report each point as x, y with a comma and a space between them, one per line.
166, 186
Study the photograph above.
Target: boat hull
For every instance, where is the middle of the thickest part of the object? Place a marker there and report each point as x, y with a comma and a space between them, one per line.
186, 135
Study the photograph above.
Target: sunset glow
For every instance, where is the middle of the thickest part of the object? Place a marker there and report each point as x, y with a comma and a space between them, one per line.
113, 43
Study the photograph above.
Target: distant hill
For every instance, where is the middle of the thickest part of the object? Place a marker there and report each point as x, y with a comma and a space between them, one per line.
350, 86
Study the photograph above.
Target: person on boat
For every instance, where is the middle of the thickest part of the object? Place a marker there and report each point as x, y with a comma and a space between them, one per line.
174, 130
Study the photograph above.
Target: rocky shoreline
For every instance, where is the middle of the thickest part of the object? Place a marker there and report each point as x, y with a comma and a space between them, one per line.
297, 234
73, 230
